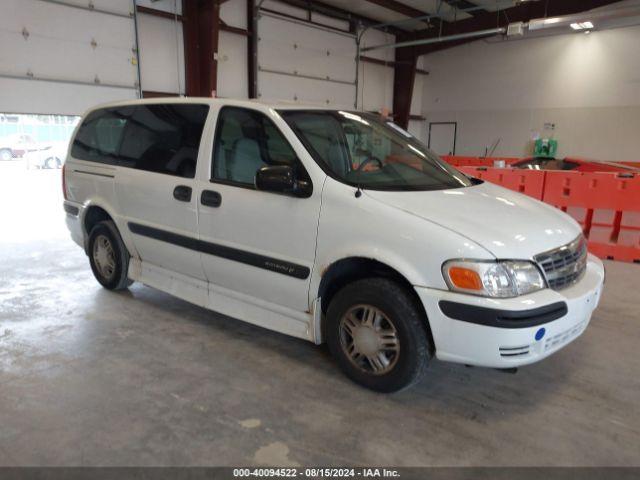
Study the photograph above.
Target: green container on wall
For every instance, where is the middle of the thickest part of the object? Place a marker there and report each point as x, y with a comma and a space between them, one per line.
545, 148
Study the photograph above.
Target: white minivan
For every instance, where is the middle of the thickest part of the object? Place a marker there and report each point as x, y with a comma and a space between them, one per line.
329, 225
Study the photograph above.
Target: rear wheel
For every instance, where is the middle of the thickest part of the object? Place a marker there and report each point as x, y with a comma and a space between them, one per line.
108, 256
52, 162
6, 154
378, 334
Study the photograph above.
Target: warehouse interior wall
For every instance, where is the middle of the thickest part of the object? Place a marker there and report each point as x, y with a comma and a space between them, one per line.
583, 90
297, 62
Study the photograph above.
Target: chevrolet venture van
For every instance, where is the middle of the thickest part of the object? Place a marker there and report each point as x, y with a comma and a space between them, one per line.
329, 225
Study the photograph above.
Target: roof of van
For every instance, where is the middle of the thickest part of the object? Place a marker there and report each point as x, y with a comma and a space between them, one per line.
219, 101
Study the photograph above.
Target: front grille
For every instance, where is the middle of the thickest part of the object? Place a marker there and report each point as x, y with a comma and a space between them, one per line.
564, 266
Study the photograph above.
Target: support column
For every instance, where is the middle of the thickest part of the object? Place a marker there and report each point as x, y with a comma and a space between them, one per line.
404, 76
252, 49
201, 29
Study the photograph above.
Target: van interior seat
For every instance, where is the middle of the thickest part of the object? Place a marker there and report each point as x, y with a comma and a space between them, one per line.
246, 161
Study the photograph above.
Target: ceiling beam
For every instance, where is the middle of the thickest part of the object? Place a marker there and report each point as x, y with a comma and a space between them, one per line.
521, 13
386, 63
159, 13
398, 7
231, 29
335, 12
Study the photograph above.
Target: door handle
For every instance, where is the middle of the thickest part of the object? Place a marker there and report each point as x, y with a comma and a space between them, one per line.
182, 193
210, 198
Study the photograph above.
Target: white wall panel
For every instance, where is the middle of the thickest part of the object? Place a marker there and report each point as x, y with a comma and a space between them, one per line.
418, 129
31, 96
375, 82
372, 38
58, 45
274, 87
234, 13
232, 66
375, 87
161, 54
416, 98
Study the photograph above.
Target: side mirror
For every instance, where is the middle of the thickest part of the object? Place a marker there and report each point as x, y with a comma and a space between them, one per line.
282, 179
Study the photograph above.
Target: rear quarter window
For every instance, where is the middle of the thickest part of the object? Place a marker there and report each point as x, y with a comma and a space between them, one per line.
100, 134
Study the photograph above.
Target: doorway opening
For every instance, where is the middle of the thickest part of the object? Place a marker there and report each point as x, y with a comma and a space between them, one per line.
442, 137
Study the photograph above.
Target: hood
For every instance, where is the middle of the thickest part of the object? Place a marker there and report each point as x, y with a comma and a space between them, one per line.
510, 225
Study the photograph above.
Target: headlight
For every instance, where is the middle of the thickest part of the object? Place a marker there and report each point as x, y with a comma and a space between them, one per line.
500, 279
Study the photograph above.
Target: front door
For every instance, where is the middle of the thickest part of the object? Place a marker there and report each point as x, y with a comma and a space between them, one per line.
258, 244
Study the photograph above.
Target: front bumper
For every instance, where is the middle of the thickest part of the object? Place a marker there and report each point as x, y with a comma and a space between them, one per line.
554, 319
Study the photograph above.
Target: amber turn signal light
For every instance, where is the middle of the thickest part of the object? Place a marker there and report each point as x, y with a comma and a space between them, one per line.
465, 278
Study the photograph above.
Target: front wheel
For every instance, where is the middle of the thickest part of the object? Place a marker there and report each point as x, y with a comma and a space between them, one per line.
108, 256
378, 334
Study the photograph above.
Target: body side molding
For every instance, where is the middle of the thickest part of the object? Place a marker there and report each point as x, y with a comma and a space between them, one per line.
242, 256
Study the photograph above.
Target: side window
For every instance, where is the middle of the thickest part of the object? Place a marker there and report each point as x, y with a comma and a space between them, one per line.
164, 138
99, 137
246, 140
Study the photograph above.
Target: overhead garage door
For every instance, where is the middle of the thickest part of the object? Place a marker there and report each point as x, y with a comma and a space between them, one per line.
304, 63
62, 57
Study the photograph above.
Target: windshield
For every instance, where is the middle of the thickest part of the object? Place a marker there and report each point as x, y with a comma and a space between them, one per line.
364, 150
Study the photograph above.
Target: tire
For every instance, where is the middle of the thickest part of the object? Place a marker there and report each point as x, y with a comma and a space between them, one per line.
108, 256
6, 154
397, 321
53, 162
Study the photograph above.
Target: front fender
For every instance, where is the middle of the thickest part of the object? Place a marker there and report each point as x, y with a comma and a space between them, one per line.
416, 248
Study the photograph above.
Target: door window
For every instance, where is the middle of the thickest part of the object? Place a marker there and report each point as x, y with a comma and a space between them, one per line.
164, 138
246, 140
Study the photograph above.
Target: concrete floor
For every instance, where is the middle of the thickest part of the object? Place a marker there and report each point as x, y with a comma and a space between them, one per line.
91, 377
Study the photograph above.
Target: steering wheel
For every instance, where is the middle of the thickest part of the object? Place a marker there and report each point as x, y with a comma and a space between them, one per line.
368, 160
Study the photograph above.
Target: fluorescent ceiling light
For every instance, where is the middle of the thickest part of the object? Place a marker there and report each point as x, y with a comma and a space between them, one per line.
581, 25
